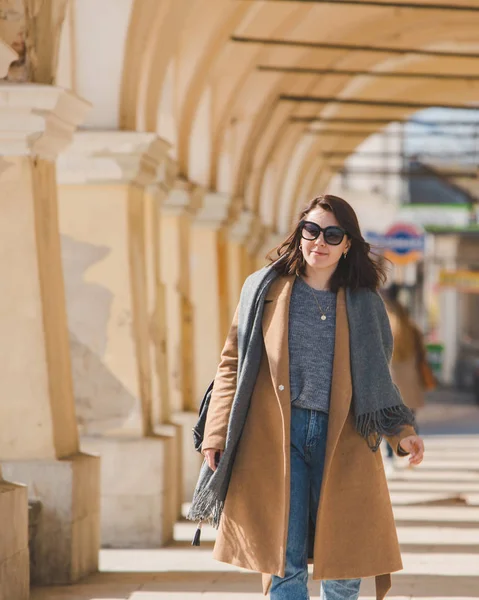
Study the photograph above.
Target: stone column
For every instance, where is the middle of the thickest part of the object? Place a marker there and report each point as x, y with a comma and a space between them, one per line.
178, 211
446, 248
209, 288
239, 263
38, 432
113, 184
14, 556
159, 316
266, 241
255, 246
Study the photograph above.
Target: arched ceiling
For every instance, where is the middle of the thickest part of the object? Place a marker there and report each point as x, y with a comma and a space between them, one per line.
231, 122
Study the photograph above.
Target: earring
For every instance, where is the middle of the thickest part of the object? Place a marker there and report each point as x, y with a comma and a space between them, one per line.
345, 254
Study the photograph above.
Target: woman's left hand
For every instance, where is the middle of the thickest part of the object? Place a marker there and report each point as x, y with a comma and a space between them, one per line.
415, 446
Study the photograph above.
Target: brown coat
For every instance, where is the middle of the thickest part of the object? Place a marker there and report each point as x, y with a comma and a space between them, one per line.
355, 525
405, 361
407, 377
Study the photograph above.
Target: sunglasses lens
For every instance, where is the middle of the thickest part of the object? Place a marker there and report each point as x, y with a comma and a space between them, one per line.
333, 235
310, 231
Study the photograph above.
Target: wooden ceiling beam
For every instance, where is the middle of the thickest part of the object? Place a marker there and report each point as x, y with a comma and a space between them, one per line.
349, 47
409, 155
376, 121
368, 102
395, 5
405, 173
356, 73
367, 132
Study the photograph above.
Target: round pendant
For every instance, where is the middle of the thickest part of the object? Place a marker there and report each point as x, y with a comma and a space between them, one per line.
323, 317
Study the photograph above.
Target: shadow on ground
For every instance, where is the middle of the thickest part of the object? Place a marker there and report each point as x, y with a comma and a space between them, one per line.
121, 586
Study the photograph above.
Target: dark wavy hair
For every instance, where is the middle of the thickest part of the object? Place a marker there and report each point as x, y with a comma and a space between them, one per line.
357, 270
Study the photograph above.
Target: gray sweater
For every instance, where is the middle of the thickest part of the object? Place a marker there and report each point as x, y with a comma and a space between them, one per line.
311, 346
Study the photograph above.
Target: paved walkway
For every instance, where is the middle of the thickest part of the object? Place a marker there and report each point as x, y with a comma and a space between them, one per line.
437, 514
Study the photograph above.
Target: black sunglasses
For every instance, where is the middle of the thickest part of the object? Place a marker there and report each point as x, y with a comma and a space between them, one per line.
333, 235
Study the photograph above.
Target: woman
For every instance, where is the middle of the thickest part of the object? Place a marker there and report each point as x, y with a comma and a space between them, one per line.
409, 368
301, 400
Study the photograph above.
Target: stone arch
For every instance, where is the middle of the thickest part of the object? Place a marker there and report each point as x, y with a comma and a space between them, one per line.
468, 94
166, 113
244, 102
401, 88
200, 51
152, 38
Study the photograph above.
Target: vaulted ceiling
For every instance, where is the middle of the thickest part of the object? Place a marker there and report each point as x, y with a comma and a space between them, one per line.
233, 124
217, 80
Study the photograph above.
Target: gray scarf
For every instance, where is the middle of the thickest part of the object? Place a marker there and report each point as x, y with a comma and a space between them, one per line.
377, 403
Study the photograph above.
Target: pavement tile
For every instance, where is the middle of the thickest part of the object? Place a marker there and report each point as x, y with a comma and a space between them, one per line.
436, 507
444, 514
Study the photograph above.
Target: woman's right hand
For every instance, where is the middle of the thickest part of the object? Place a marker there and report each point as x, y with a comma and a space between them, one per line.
210, 454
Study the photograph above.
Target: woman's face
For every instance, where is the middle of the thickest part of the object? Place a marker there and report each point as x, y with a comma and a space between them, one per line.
317, 253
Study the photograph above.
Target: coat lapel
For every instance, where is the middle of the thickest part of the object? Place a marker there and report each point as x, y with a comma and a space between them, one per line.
276, 340
341, 386
275, 333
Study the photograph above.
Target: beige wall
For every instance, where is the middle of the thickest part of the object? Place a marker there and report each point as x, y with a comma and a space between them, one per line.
94, 228
39, 422
209, 299
175, 265
158, 327
25, 419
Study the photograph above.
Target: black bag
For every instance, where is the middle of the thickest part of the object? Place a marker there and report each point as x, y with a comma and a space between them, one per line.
199, 428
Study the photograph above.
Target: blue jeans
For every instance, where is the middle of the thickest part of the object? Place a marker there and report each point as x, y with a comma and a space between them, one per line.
308, 448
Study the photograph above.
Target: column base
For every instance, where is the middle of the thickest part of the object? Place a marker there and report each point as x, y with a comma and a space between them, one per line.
14, 556
139, 488
66, 539
191, 460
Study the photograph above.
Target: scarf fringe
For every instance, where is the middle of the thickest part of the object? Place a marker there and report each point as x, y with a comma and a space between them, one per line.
206, 508
207, 505
373, 427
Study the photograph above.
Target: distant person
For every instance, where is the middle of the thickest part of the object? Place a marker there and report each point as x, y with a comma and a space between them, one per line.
475, 384
409, 367
301, 400
469, 352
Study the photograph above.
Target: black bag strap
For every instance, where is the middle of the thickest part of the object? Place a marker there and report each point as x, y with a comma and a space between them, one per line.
199, 428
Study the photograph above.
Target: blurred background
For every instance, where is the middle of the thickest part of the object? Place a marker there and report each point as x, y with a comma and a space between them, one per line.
151, 153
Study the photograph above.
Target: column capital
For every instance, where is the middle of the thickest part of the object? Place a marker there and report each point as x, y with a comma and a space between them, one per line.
255, 241
7, 56
241, 229
269, 240
117, 157
38, 120
183, 197
213, 211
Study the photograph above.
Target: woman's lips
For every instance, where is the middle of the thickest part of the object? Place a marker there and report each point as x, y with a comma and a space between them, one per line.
320, 253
